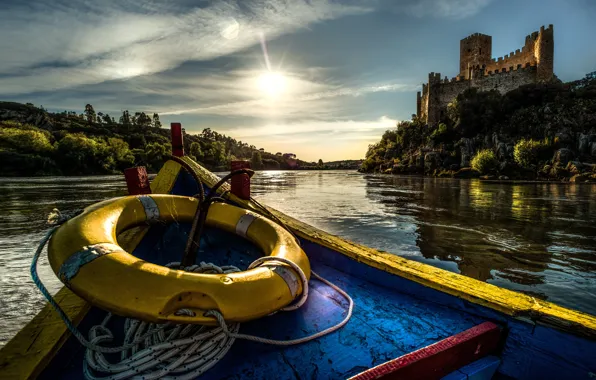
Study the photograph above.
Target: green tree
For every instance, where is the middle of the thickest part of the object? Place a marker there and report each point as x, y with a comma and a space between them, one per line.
270, 164
78, 154
208, 134
477, 111
107, 119
156, 154
137, 140
196, 152
121, 153
156, 121
218, 153
256, 162
90, 113
320, 163
442, 134
125, 118
484, 161
527, 152
26, 140
141, 119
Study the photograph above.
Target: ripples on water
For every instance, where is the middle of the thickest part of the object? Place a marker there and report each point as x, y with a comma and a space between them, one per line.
536, 238
24, 206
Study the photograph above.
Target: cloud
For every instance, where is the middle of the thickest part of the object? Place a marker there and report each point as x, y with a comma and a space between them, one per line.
453, 9
78, 43
304, 98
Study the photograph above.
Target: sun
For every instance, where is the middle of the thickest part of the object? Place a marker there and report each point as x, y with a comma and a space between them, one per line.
272, 84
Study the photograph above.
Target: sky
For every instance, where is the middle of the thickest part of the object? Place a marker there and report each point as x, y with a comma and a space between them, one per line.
318, 78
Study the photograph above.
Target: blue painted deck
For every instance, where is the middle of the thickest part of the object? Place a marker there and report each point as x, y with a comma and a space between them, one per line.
483, 369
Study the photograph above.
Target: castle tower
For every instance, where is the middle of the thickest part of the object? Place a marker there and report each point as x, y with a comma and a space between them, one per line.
474, 51
533, 63
434, 106
418, 103
544, 53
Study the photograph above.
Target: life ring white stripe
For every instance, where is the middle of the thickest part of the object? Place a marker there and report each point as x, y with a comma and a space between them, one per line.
151, 209
243, 223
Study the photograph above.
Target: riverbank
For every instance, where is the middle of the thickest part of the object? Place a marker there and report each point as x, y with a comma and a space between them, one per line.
34, 142
574, 172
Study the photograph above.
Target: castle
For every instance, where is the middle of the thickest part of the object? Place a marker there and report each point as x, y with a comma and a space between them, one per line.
477, 69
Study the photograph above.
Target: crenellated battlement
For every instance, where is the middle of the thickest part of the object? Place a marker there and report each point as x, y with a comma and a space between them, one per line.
475, 35
527, 53
517, 67
531, 63
537, 50
482, 69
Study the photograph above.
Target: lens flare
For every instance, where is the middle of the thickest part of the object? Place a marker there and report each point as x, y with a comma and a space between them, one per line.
272, 84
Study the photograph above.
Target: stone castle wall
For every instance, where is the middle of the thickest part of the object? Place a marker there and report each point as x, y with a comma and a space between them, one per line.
531, 64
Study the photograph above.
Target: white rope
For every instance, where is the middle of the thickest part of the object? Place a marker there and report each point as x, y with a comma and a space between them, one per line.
187, 351
291, 342
172, 351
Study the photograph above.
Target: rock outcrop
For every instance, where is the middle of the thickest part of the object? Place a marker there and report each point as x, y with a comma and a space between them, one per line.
25, 114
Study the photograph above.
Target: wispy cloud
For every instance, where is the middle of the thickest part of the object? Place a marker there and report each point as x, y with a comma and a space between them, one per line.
305, 99
454, 9
65, 47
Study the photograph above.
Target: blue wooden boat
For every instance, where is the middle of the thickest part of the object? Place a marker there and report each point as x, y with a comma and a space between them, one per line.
410, 320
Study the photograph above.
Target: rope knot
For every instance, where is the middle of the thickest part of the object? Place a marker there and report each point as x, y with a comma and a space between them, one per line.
56, 218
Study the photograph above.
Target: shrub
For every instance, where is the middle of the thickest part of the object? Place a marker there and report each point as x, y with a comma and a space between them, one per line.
484, 161
26, 141
195, 151
19, 164
528, 152
270, 164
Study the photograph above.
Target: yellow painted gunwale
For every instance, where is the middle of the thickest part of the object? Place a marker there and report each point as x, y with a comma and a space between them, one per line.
33, 347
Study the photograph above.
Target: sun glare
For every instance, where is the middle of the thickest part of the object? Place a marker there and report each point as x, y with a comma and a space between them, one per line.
272, 83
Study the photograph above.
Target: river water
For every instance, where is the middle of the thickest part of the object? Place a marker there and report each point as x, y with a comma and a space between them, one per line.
538, 238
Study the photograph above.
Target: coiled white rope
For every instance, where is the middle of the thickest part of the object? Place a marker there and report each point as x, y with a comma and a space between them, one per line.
171, 351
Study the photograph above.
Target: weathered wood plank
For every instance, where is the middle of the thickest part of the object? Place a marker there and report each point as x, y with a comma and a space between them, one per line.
537, 352
483, 369
34, 346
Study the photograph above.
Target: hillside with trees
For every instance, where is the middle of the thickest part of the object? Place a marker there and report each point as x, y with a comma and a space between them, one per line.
538, 131
34, 141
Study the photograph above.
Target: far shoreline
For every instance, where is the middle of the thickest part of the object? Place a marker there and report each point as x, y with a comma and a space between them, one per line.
403, 175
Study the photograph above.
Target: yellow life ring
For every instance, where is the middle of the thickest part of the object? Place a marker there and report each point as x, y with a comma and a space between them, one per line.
85, 255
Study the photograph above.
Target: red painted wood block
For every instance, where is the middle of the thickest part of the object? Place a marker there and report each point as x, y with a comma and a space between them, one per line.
241, 182
177, 142
441, 358
137, 181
